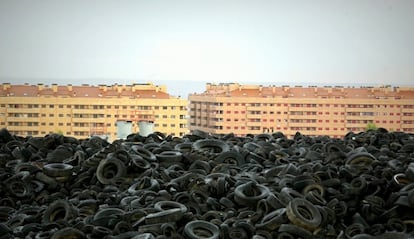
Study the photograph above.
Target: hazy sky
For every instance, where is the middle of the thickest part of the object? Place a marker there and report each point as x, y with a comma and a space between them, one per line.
328, 42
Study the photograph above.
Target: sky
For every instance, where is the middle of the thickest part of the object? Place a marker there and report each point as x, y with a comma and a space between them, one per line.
186, 43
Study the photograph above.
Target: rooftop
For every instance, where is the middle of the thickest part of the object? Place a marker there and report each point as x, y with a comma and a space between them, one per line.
147, 90
238, 90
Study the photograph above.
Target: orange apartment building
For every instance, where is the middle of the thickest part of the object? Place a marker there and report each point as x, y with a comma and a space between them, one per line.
332, 111
83, 111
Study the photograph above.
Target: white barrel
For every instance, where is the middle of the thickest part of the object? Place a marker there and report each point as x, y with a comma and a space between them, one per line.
145, 128
123, 129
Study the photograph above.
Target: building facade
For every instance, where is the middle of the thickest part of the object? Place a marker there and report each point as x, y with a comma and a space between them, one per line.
83, 111
332, 111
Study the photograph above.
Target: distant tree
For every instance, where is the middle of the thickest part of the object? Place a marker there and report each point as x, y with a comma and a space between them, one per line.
371, 126
59, 131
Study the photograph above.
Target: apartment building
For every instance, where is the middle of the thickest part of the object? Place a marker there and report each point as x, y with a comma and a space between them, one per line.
312, 110
83, 111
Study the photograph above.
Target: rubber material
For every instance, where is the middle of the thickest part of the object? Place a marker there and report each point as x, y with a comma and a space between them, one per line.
201, 229
303, 213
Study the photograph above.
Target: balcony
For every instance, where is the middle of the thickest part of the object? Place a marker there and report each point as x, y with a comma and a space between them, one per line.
407, 110
303, 109
250, 123
21, 119
360, 117
23, 110
303, 116
303, 124
216, 107
355, 125
89, 111
253, 116
89, 120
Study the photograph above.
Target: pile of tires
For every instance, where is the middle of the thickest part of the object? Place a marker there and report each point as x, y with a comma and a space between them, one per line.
208, 186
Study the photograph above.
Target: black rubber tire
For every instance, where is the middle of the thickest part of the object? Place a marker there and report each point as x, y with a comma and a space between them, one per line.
109, 170
273, 220
201, 229
242, 197
210, 146
68, 233
58, 170
59, 210
304, 214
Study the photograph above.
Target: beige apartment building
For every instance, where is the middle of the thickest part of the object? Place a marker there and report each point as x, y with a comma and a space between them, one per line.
332, 111
83, 111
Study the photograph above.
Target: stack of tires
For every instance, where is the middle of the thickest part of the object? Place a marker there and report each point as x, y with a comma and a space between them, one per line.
208, 186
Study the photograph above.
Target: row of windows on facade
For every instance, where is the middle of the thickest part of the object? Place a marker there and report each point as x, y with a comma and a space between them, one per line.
410, 106
257, 112
303, 120
75, 133
271, 129
95, 116
95, 107
88, 125
145, 107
